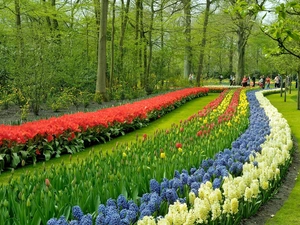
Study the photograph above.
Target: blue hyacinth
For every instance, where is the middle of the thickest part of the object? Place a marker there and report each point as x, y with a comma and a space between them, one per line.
154, 186
122, 202
86, 220
77, 212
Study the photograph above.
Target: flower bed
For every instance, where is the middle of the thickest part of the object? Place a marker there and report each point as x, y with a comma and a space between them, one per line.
121, 180
43, 139
264, 149
176, 150
32, 199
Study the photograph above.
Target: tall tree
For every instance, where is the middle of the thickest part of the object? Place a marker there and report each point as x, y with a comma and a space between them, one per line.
187, 32
112, 48
19, 35
150, 40
124, 22
203, 41
243, 13
101, 71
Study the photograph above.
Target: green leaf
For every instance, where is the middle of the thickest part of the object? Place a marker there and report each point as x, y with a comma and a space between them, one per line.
294, 36
69, 150
67, 211
124, 190
15, 160
2, 162
36, 219
47, 154
24, 154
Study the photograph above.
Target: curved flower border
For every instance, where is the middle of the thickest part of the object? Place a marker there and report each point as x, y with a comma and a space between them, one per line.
253, 174
240, 196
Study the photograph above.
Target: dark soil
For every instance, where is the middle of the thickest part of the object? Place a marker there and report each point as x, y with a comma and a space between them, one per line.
12, 115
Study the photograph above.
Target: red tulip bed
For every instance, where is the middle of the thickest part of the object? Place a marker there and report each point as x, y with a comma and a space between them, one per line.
216, 167
43, 139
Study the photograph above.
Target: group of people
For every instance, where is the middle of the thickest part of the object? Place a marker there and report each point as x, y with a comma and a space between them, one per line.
263, 82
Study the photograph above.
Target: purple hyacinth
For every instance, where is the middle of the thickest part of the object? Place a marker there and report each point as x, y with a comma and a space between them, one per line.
111, 202
217, 183
61, 221
77, 212
122, 202
131, 216
171, 196
154, 186
145, 212
52, 221
115, 219
86, 220
74, 222
100, 220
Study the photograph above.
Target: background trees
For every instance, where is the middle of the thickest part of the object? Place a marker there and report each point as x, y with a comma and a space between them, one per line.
285, 32
49, 49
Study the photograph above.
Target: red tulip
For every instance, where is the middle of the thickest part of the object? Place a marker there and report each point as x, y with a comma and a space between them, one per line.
178, 145
47, 182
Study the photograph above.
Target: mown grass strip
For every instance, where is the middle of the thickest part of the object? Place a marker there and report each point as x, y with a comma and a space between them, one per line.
165, 122
289, 212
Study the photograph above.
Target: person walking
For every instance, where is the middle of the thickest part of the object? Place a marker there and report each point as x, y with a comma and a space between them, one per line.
253, 80
244, 81
268, 82
276, 81
263, 82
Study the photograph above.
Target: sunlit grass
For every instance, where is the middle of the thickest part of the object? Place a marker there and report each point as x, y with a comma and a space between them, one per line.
289, 212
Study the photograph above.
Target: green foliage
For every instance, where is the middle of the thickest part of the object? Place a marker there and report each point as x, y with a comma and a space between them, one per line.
126, 91
25, 111
285, 29
62, 100
98, 97
6, 99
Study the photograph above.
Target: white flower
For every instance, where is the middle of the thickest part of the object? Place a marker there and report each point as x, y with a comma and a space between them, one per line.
147, 220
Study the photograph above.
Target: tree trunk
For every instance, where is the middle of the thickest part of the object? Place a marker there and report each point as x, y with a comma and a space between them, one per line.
97, 15
242, 41
101, 72
142, 47
19, 35
161, 66
150, 41
203, 42
230, 57
138, 58
112, 60
47, 17
55, 23
124, 19
187, 32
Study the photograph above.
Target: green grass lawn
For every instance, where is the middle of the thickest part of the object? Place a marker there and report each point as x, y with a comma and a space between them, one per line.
165, 122
289, 213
